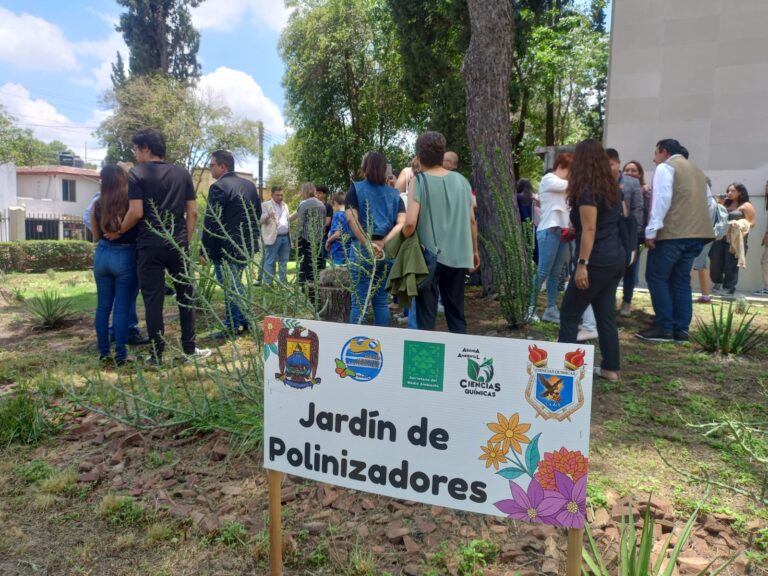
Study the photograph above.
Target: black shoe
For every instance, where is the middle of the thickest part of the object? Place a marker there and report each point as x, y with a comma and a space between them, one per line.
138, 339
654, 334
682, 336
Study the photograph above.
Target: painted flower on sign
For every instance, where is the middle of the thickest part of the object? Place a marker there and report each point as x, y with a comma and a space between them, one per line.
572, 499
531, 505
493, 454
272, 328
571, 463
510, 432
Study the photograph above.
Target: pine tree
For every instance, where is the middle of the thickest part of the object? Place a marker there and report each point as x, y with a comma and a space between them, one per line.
161, 38
118, 72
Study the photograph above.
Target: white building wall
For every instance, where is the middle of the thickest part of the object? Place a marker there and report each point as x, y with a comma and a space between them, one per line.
7, 186
42, 194
697, 71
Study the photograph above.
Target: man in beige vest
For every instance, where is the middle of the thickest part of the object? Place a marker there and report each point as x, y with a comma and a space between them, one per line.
677, 230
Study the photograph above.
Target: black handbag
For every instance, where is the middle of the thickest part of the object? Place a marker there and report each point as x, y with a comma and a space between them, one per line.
430, 258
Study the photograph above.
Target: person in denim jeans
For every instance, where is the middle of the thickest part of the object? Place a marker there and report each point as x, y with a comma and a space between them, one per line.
678, 228
375, 213
114, 264
552, 252
275, 231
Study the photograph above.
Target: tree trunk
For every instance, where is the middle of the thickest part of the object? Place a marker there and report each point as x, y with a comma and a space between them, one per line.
487, 70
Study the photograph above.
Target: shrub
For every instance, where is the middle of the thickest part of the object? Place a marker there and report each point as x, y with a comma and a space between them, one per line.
723, 334
21, 418
50, 310
42, 255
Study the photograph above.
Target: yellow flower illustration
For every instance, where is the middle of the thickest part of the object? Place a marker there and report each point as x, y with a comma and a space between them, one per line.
510, 432
494, 455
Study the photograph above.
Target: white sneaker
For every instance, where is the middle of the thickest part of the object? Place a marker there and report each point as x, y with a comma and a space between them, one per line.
532, 316
585, 335
198, 354
551, 314
626, 310
440, 308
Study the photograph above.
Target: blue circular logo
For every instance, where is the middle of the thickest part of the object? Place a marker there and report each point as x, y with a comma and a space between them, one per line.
363, 358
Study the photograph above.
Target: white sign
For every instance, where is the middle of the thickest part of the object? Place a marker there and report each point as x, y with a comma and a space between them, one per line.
488, 425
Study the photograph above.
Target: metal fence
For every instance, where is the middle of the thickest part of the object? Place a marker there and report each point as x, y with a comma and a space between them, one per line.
55, 227
4, 225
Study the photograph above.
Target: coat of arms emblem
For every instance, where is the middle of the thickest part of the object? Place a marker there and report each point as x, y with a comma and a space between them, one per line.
555, 393
297, 353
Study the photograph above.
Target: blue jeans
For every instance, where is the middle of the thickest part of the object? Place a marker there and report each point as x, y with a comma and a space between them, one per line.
277, 253
229, 275
631, 278
361, 271
552, 254
114, 269
668, 274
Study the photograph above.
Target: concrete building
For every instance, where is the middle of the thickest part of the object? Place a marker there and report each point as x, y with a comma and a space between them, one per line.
54, 199
697, 71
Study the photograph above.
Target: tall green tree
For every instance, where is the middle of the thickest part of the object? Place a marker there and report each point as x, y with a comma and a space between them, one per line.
160, 37
282, 166
193, 124
343, 87
433, 37
19, 145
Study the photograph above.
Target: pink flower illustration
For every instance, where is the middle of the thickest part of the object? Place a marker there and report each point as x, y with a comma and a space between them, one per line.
531, 505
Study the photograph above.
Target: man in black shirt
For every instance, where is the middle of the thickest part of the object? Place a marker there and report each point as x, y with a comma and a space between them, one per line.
231, 232
162, 201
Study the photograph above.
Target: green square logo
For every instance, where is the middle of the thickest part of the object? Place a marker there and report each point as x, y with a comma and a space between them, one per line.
423, 365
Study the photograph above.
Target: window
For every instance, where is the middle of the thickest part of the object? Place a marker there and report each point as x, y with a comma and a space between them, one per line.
68, 191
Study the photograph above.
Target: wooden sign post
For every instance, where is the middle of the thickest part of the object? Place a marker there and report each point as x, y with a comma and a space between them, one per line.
486, 425
275, 525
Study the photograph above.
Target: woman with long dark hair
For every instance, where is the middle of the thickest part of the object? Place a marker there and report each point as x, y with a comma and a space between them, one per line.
375, 213
593, 196
724, 265
114, 263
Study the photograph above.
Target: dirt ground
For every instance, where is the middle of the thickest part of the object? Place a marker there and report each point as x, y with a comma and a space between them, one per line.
199, 507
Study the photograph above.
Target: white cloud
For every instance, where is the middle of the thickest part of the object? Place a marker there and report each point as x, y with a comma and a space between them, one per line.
243, 95
33, 43
105, 50
49, 124
226, 15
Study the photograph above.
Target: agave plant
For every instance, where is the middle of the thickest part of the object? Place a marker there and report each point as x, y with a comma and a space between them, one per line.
727, 335
50, 310
635, 559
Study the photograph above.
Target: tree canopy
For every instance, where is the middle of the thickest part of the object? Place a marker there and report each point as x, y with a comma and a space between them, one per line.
160, 37
19, 145
192, 123
343, 87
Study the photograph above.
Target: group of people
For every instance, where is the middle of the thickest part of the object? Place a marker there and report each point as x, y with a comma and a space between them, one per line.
143, 220
582, 212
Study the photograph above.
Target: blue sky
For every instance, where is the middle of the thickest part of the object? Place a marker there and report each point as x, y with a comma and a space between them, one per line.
56, 56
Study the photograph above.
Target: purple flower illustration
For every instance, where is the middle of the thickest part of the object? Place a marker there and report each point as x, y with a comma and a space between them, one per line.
572, 498
531, 506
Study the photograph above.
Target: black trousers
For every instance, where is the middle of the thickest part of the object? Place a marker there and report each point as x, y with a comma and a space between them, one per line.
449, 283
306, 268
152, 265
601, 293
724, 266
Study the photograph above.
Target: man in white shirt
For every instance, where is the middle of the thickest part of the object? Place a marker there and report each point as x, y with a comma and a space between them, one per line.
677, 230
275, 230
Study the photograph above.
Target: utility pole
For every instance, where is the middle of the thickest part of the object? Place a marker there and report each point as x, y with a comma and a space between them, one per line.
261, 161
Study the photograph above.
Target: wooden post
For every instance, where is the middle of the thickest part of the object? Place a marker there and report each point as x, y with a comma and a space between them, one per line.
575, 544
275, 525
